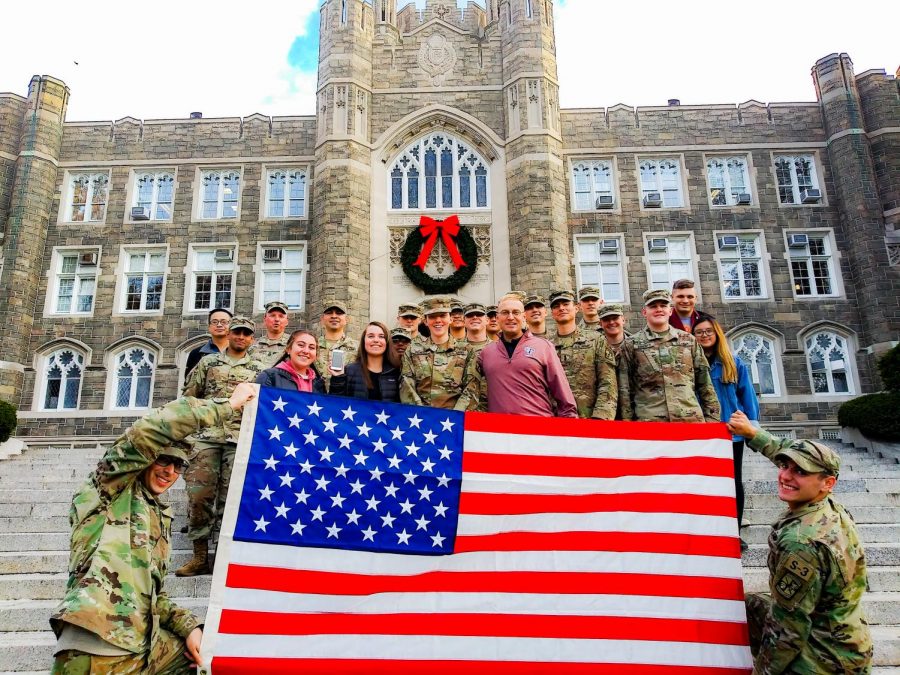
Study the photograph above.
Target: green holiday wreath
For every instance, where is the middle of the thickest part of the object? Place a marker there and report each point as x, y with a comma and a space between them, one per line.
412, 247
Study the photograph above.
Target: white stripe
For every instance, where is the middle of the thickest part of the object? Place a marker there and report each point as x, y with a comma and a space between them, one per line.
489, 603
613, 521
662, 484
596, 448
433, 647
364, 562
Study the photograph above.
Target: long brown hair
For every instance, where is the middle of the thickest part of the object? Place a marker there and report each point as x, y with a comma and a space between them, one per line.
362, 356
723, 353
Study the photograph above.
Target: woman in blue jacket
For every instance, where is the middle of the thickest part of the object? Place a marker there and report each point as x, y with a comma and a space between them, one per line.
734, 387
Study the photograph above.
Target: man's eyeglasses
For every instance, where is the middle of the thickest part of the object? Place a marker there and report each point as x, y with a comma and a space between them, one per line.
219, 322
510, 312
704, 333
179, 464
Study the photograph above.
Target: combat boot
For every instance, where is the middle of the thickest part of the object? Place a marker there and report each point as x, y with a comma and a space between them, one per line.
197, 565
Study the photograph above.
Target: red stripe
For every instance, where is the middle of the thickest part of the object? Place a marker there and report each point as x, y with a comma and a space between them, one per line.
599, 429
592, 467
236, 665
496, 625
621, 542
484, 504
570, 583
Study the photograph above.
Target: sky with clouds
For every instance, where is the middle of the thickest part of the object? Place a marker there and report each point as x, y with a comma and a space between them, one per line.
169, 58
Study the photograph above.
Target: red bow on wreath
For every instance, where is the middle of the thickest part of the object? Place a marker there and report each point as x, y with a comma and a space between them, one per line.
430, 229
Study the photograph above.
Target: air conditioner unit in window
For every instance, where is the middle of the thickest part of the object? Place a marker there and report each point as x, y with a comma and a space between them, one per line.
742, 198
798, 241
658, 244
140, 213
604, 202
224, 254
652, 200
609, 245
271, 255
810, 196
728, 241
87, 259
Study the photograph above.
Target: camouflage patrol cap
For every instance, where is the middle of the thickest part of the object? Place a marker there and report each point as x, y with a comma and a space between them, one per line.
535, 299
588, 292
401, 333
456, 305
276, 304
612, 310
242, 322
334, 304
438, 304
475, 308
560, 295
410, 310
491, 309
178, 449
813, 456
651, 296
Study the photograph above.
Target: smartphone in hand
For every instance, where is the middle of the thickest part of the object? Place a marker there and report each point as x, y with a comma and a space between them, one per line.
337, 359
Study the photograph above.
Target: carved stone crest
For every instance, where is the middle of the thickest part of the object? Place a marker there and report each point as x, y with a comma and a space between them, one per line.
437, 57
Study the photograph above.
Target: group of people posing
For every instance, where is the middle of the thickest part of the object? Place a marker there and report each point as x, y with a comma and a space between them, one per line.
676, 367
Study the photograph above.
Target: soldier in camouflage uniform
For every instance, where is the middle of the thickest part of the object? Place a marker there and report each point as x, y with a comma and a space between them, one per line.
663, 373
400, 341
269, 348
476, 326
612, 321
457, 319
536, 315
115, 616
334, 324
589, 363
493, 323
409, 317
439, 371
813, 620
216, 376
589, 302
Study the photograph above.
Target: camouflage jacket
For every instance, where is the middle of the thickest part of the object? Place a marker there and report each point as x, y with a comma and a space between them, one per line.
476, 347
121, 534
590, 367
665, 378
269, 351
440, 376
817, 577
323, 356
216, 376
584, 325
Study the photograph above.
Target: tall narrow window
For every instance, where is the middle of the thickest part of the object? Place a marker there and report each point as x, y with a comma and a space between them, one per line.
829, 363
134, 370
728, 181
740, 264
758, 353
529, 10
811, 263
442, 168
283, 274
75, 281
212, 278
600, 263
592, 185
62, 384
88, 193
662, 177
796, 179
143, 284
343, 12
220, 191
670, 259
154, 191
286, 195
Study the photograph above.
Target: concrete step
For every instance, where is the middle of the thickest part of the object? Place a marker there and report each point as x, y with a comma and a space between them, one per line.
52, 586
883, 554
887, 515
851, 500
59, 541
26, 509
881, 579
33, 615
48, 562
869, 534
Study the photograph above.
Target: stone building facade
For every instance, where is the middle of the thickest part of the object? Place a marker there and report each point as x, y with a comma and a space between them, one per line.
119, 236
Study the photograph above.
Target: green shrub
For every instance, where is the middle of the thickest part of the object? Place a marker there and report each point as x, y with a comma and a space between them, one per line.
875, 415
8, 421
889, 369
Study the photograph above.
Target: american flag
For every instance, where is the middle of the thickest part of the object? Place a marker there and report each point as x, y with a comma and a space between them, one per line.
368, 537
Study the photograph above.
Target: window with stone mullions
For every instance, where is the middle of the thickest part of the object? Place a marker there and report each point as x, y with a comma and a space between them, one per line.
287, 193
76, 282
662, 176
219, 196
154, 191
795, 174
600, 267
671, 264
758, 353
88, 193
62, 385
134, 369
811, 267
742, 269
213, 279
828, 357
727, 178
284, 279
144, 281
591, 180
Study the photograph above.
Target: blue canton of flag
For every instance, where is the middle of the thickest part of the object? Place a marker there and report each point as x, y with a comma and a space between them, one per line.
338, 472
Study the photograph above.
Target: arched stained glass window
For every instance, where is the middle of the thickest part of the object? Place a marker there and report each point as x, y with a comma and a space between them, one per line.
62, 386
438, 172
134, 370
759, 354
829, 363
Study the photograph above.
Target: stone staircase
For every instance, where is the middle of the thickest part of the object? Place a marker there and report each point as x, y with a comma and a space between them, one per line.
37, 486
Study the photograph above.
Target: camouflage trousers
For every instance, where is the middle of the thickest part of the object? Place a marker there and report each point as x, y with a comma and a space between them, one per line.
208, 478
166, 657
758, 607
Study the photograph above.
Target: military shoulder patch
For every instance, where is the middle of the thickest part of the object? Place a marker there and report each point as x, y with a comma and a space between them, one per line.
793, 578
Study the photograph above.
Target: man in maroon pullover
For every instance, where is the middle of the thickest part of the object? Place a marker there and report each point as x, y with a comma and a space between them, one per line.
523, 372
